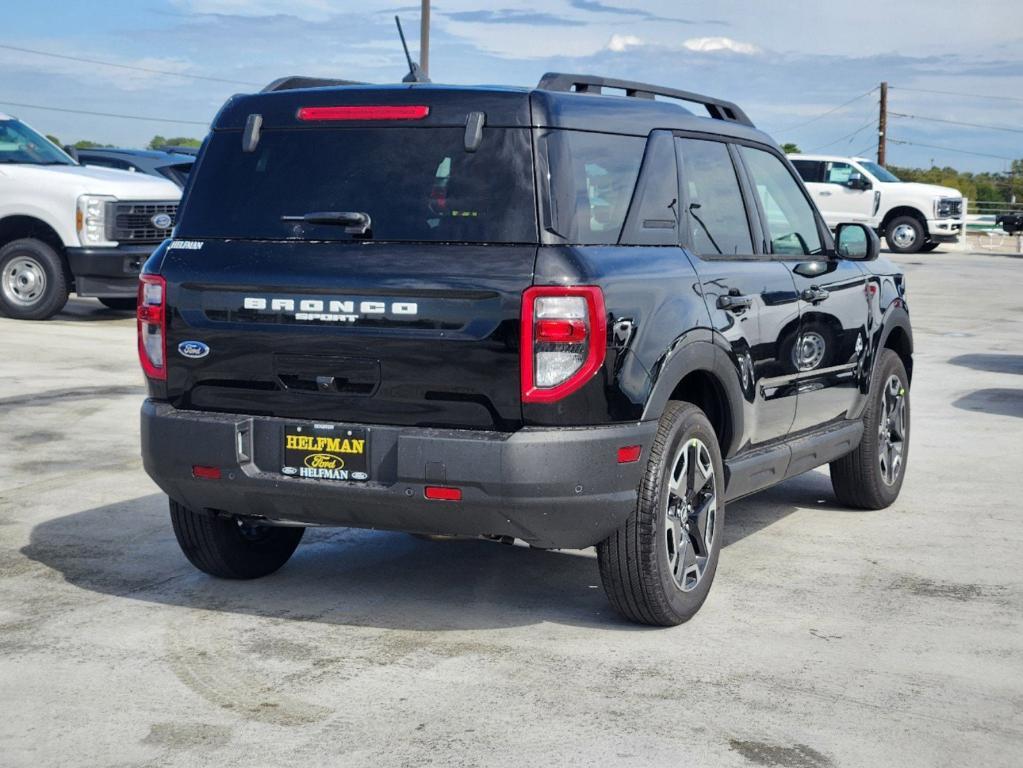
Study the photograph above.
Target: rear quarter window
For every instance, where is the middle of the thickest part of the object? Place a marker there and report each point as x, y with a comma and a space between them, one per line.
592, 178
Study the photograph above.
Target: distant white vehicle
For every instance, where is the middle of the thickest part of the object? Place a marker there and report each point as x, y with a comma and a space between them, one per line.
911, 217
66, 227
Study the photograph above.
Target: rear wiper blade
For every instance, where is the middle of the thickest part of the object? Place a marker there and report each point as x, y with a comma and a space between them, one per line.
354, 222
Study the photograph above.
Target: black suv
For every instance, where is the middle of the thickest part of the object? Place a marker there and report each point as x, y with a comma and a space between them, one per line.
555, 315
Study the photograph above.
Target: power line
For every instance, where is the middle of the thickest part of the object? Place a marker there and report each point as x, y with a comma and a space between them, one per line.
106, 114
824, 114
957, 122
961, 93
849, 136
949, 149
133, 67
861, 152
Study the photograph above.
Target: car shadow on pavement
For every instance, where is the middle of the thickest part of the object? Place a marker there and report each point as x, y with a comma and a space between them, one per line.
996, 401
996, 363
360, 577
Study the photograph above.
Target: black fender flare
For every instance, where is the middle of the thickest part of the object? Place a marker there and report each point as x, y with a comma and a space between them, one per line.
698, 355
895, 317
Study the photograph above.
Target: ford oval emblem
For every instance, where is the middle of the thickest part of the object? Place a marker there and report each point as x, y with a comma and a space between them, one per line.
162, 221
193, 349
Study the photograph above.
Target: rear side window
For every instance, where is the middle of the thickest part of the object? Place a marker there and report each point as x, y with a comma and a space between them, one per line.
810, 170
592, 177
415, 184
715, 214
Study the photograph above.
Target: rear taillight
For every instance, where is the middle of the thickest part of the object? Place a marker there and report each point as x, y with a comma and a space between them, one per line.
563, 340
152, 326
365, 112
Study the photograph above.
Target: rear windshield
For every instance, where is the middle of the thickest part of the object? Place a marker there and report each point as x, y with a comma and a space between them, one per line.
415, 184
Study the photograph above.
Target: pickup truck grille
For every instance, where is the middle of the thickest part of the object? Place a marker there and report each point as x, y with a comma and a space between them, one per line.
132, 222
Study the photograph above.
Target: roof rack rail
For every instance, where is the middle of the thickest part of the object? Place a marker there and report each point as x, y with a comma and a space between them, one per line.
717, 108
291, 82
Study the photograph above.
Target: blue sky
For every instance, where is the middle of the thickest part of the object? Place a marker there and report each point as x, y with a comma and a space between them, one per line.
785, 63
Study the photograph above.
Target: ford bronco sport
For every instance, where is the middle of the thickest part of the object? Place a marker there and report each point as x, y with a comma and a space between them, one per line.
554, 315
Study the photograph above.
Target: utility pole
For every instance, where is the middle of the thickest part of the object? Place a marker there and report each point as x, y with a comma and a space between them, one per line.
882, 123
424, 38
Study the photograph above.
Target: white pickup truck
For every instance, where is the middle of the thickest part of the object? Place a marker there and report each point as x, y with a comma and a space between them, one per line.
911, 217
66, 227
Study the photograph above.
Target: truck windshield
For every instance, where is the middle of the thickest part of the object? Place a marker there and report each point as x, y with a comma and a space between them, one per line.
415, 184
20, 144
879, 173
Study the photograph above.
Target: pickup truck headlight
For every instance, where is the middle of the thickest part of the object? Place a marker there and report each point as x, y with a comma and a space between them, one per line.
948, 207
91, 219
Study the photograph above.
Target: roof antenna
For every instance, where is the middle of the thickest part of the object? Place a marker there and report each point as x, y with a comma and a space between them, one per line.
415, 74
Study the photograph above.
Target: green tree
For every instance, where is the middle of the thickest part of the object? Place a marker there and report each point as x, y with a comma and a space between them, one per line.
87, 144
54, 139
158, 142
790, 149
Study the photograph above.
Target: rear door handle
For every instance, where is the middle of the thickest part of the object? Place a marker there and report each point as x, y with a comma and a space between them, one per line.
814, 294
734, 303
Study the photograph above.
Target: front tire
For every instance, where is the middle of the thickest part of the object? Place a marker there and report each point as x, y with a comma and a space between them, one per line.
658, 568
871, 476
905, 234
33, 283
230, 547
928, 247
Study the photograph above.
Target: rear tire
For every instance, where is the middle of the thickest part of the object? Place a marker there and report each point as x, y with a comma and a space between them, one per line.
871, 476
33, 283
125, 304
905, 234
230, 547
658, 568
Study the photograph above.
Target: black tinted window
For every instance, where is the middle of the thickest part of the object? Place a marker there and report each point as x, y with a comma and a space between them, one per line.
715, 215
592, 179
810, 170
416, 184
791, 224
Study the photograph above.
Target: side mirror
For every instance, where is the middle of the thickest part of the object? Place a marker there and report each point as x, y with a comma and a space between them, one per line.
856, 242
71, 151
856, 181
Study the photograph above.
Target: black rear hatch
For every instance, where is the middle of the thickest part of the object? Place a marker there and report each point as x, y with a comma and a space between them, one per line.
411, 320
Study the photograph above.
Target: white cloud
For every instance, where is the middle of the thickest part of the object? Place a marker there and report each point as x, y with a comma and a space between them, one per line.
315, 10
619, 43
711, 44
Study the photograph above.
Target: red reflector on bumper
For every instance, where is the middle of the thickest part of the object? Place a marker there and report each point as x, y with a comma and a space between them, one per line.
629, 453
405, 112
442, 493
205, 473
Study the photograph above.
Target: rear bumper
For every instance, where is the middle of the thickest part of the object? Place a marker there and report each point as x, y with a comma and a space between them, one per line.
108, 271
554, 488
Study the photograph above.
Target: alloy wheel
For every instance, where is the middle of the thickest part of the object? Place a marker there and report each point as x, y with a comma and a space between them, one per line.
690, 520
891, 433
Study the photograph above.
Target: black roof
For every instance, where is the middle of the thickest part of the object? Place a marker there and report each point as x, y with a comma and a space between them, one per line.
560, 101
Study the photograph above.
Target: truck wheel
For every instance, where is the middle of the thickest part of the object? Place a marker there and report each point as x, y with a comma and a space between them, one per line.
905, 234
126, 304
33, 284
871, 476
658, 567
928, 247
230, 547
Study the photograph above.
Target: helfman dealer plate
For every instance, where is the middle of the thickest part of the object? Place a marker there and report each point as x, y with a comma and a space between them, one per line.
326, 452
